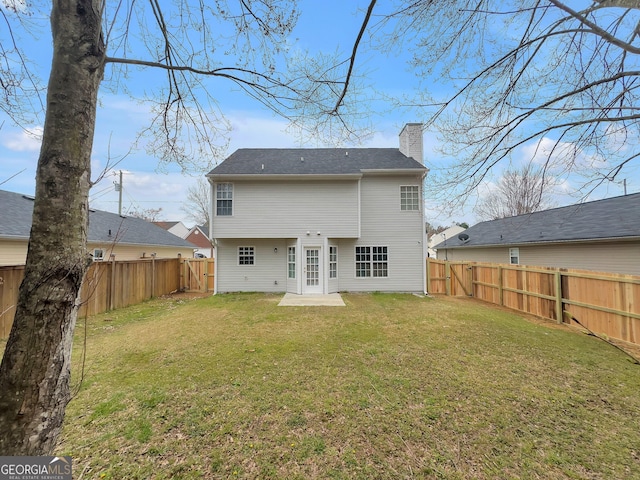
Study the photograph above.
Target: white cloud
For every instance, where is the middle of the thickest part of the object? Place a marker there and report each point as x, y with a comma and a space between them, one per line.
28, 140
144, 191
560, 157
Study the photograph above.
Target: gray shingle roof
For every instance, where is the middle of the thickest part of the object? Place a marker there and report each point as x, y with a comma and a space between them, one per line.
314, 161
610, 218
15, 222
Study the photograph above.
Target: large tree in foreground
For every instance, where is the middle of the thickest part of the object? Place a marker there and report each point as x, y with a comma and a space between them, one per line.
547, 80
100, 43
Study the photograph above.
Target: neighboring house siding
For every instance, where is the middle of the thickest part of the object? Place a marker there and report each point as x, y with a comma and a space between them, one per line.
620, 257
135, 252
384, 224
268, 268
274, 209
13, 252
488, 255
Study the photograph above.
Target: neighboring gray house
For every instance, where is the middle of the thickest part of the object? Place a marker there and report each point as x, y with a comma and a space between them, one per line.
321, 220
127, 238
603, 235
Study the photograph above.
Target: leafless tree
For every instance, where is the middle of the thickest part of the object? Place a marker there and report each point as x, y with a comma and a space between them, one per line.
197, 204
147, 214
518, 191
98, 44
534, 79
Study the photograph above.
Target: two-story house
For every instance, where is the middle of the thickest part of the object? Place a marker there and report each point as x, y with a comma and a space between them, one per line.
321, 220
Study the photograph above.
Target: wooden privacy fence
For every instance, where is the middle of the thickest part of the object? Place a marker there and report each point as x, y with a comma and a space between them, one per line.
605, 303
116, 284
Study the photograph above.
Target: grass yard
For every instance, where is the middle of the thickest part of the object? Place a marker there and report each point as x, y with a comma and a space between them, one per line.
390, 386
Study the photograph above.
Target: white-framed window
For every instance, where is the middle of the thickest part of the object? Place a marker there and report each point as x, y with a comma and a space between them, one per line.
372, 262
410, 197
246, 255
514, 256
224, 199
333, 262
291, 262
98, 254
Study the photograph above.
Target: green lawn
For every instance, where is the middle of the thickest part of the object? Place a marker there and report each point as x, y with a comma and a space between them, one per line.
390, 386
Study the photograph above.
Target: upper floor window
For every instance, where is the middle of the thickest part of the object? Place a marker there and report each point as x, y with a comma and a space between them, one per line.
224, 199
98, 254
514, 256
409, 197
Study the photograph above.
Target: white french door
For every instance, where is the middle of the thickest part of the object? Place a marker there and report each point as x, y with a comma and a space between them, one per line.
312, 281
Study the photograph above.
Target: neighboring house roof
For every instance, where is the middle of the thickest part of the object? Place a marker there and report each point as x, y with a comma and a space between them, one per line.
166, 225
199, 237
610, 218
314, 161
104, 227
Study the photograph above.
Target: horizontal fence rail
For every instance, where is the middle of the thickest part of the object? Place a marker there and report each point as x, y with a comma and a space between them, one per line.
116, 284
607, 304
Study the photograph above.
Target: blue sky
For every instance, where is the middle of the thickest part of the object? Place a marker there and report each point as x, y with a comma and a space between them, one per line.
328, 25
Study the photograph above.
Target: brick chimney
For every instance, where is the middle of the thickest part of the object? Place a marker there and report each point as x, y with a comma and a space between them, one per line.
411, 141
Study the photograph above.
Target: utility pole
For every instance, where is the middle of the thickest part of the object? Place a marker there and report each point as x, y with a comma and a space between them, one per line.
119, 189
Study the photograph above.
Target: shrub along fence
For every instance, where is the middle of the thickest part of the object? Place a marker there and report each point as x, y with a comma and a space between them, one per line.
607, 304
116, 284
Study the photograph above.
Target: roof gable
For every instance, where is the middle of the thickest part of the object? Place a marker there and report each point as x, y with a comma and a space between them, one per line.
104, 227
314, 161
610, 218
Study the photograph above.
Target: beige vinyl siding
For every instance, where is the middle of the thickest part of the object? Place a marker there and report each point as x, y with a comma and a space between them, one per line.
134, 252
385, 224
13, 252
615, 257
288, 209
489, 255
267, 274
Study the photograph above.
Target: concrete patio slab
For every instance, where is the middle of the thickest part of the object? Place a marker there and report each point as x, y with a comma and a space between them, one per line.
329, 300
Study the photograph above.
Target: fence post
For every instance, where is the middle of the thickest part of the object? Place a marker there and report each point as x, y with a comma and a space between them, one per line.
427, 285
153, 275
112, 283
500, 291
559, 308
447, 274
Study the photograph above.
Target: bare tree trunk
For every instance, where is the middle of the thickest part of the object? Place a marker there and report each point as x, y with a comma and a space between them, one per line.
34, 375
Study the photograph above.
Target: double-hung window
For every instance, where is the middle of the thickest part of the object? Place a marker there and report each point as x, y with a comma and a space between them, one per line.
514, 256
410, 197
372, 262
224, 199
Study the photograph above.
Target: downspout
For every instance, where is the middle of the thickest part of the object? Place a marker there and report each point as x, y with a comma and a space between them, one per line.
424, 236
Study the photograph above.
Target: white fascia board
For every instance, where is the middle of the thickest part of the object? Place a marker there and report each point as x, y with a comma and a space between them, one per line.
541, 243
397, 171
299, 177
